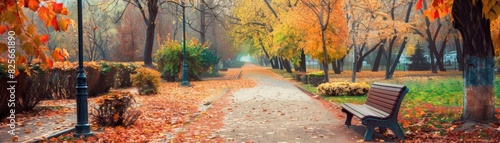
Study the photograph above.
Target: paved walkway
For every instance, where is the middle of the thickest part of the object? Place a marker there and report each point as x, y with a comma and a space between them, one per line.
277, 111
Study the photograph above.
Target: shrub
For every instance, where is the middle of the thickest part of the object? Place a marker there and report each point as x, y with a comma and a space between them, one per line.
170, 57
358, 88
316, 78
115, 109
342, 88
147, 80
122, 77
30, 90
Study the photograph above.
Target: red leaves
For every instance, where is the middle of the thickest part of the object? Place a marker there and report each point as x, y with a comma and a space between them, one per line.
436, 15
3, 29
58, 7
55, 24
44, 38
419, 4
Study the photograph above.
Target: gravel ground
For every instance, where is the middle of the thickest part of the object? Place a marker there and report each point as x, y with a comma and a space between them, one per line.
277, 111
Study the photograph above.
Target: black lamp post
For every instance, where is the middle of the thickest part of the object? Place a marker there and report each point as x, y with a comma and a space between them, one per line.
82, 126
185, 78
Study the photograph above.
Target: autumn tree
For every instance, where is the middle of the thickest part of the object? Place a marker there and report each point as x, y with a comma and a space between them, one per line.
330, 23
437, 33
130, 37
99, 34
361, 27
472, 18
253, 21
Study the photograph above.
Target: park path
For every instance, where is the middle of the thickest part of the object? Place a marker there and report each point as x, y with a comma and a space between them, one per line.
277, 111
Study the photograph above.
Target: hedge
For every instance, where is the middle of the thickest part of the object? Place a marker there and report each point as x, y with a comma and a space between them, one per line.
59, 82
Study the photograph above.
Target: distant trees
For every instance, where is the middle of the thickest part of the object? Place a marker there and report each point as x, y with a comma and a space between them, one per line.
419, 62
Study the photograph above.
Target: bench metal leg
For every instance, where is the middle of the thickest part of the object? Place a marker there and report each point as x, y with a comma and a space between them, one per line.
382, 129
397, 130
348, 119
369, 133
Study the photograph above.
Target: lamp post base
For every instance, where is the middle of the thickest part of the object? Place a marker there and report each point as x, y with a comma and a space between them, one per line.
185, 80
82, 130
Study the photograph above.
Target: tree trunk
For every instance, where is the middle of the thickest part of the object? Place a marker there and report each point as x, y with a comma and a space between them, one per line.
203, 28
336, 67
341, 64
325, 54
280, 63
376, 63
460, 56
440, 55
390, 69
286, 65
388, 58
302, 67
276, 63
150, 32
362, 56
433, 63
148, 48
479, 105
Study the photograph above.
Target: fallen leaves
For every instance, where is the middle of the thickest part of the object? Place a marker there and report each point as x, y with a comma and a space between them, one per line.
15, 139
174, 107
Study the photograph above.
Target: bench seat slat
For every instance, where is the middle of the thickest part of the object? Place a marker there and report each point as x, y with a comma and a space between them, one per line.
362, 111
385, 114
386, 88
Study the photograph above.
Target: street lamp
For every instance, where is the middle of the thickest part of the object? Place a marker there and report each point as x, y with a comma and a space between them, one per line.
185, 78
82, 126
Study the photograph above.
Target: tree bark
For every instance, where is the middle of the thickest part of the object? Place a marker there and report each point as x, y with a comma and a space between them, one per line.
302, 67
460, 56
276, 63
280, 63
336, 67
148, 48
150, 22
376, 63
362, 56
479, 61
203, 26
287, 66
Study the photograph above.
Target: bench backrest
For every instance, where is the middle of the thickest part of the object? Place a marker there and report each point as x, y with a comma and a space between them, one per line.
386, 97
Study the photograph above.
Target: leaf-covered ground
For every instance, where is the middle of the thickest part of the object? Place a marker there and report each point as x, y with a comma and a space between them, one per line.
173, 108
429, 112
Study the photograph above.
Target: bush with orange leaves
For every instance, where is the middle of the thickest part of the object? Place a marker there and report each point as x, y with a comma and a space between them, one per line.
115, 109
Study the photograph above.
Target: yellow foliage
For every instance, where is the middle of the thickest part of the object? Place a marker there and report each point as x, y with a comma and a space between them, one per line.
147, 80
342, 88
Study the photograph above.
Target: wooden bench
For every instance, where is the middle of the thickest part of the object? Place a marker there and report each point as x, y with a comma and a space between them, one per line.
380, 109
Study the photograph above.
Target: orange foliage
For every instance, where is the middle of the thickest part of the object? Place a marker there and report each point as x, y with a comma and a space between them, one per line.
33, 44
313, 21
